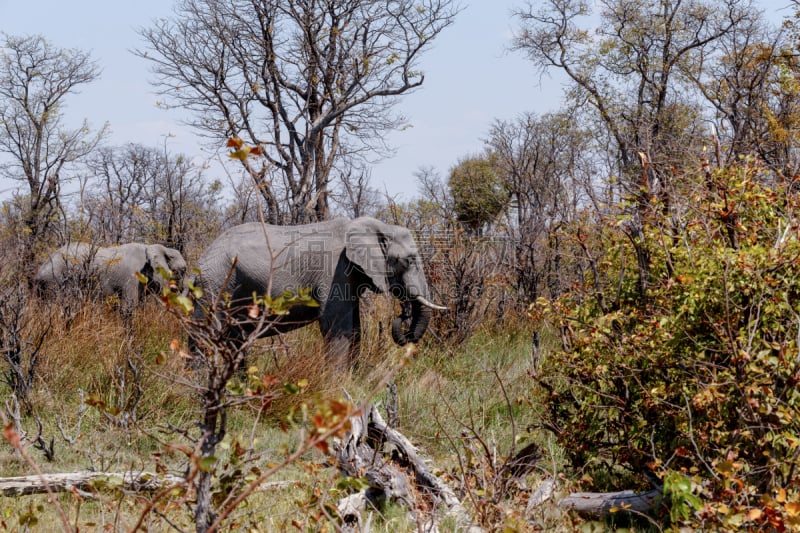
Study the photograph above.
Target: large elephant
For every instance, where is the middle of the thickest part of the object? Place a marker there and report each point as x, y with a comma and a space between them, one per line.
109, 271
338, 260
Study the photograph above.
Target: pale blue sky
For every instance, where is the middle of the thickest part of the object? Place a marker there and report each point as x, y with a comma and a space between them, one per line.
470, 80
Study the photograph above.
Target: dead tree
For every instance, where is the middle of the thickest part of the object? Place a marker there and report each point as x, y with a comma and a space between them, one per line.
391, 478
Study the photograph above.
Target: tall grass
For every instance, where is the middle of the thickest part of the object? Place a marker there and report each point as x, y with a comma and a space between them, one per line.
447, 397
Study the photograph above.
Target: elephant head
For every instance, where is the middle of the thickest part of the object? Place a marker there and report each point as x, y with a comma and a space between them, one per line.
160, 260
388, 256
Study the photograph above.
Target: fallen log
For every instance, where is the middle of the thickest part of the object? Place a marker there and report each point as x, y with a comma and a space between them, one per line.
362, 455
603, 503
88, 482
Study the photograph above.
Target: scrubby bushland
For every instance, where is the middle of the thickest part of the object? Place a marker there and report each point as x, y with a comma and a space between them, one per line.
697, 384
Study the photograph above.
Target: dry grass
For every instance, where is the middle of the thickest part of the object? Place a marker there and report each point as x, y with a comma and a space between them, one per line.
300, 355
89, 353
442, 392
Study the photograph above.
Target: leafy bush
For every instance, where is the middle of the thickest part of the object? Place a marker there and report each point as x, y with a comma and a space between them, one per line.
479, 194
697, 383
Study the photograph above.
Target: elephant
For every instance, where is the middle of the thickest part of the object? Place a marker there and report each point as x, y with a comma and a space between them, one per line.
109, 271
337, 260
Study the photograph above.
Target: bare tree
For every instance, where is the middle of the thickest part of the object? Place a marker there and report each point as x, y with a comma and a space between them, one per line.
35, 78
756, 104
433, 190
21, 338
632, 74
354, 196
544, 164
138, 193
118, 188
301, 81
246, 203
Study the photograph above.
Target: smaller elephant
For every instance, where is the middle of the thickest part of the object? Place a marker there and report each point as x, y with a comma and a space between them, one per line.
84, 269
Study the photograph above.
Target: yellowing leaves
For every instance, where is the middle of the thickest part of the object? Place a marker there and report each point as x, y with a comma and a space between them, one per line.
754, 514
241, 154
242, 150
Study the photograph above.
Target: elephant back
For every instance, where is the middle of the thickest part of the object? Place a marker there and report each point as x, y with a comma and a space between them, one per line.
115, 268
246, 245
68, 266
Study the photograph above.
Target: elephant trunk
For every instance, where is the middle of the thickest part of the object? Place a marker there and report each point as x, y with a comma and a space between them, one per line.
420, 317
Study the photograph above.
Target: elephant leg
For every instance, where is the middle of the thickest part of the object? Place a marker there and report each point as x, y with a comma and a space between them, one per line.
356, 339
341, 328
129, 297
195, 360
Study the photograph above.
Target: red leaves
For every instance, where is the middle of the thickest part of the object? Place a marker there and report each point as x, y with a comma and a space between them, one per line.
12, 436
242, 150
234, 142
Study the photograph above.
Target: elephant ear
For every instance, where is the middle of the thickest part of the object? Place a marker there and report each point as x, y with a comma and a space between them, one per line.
365, 246
156, 257
175, 261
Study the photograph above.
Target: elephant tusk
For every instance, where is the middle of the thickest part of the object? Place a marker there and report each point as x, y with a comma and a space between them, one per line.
426, 303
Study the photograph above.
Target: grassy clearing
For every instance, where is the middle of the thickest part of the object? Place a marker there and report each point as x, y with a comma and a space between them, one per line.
452, 401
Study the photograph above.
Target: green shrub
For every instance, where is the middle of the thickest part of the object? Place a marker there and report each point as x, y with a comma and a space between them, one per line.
697, 382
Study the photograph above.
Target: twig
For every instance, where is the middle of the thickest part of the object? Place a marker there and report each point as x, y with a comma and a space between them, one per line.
14, 439
81, 411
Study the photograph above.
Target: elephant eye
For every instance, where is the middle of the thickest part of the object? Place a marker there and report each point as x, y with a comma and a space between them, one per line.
400, 264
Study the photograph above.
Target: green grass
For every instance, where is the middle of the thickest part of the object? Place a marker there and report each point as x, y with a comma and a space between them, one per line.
450, 398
